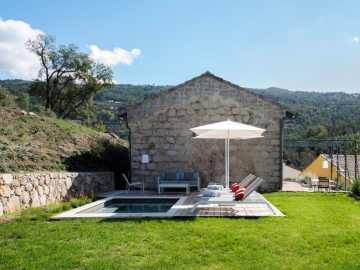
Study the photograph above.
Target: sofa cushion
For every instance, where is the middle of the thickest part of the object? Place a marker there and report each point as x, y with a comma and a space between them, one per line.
170, 176
188, 176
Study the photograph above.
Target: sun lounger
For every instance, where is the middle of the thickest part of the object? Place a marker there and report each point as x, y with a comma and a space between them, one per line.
247, 180
230, 199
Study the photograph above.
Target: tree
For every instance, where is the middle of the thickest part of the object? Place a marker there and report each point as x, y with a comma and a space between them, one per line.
6, 99
353, 126
106, 115
23, 101
68, 79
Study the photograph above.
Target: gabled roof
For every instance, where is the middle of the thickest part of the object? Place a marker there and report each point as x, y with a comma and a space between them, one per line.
349, 163
289, 114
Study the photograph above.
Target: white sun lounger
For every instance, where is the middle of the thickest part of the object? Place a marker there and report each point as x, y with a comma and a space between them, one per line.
230, 199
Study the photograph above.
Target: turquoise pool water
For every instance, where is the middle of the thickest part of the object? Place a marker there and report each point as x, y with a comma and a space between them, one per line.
143, 205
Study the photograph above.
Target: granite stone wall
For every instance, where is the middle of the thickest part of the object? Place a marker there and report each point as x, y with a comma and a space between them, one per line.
18, 191
160, 128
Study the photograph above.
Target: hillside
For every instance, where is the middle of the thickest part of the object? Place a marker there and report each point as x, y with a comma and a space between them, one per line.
39, 143
313, 108
320, 116
316, 108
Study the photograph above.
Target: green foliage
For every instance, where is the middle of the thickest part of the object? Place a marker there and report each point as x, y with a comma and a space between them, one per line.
71, 78
24, 118
341, 186
100, 127
106, 115
23, 101
355, 187
6, 98
306, 179
315, 133
40, 110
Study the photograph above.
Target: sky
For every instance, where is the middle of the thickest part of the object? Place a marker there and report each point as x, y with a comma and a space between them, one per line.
298, 45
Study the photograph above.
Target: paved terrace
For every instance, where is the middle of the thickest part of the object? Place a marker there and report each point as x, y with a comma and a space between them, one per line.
252, 210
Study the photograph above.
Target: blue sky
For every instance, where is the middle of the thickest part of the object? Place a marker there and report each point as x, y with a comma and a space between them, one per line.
297, 45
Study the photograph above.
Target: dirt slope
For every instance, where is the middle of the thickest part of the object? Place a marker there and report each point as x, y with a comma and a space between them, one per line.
38, 143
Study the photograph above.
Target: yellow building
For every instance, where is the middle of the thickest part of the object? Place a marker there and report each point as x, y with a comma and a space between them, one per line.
333, 168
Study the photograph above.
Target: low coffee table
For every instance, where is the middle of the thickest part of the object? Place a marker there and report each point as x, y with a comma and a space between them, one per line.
162, 186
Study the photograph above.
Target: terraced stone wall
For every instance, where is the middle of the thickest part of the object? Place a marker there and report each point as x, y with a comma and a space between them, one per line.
19, 191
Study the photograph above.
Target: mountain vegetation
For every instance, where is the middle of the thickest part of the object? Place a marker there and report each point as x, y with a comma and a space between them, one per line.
31, 143
320, 116
68, 78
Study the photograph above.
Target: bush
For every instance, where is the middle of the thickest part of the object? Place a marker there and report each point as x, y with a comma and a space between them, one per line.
306, 179
355, 187
40, 110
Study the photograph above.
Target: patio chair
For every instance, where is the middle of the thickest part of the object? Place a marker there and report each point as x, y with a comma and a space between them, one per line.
229, 200
128, 184
324, 183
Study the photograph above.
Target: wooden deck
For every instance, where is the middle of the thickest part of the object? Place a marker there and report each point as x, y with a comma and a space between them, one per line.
208, 210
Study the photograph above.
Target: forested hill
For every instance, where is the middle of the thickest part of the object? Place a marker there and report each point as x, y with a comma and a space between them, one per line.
128, 94
316, 108
313, 108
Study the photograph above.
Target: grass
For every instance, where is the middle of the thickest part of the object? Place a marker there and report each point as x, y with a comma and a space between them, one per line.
58, 143
321, 230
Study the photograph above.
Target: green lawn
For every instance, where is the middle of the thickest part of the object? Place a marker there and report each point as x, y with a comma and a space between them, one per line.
321, 231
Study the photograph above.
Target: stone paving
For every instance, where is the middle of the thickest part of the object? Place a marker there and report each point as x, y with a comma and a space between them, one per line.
294, 186
209, 210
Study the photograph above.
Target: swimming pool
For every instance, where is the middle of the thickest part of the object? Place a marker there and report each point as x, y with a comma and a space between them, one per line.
133, 206
125, 207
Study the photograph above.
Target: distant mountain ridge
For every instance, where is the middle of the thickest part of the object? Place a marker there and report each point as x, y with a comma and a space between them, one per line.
313, 108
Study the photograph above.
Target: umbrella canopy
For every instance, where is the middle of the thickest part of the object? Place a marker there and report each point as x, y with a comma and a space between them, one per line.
227, 130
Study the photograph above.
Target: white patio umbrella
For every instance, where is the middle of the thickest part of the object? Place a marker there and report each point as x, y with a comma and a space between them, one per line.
227, 130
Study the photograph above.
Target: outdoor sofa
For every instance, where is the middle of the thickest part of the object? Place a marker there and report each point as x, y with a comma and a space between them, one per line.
191, 178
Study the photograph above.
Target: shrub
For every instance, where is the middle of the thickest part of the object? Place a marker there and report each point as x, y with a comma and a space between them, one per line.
40, 110
306, 179
355, 187
341, 186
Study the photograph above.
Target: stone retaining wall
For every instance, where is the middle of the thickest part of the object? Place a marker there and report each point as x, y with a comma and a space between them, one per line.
18, 191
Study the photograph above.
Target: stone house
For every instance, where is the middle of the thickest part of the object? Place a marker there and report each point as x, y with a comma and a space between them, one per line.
159, 127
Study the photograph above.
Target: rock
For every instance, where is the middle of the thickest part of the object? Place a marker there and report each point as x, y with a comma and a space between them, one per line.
42, 180
7, 178
14, 204
40, 190
1, 209
18, 191
28, 187
34, 198
23, 180
47, 179
68, 183
5, 191
31, 113
43, 200
25, 198
15, 183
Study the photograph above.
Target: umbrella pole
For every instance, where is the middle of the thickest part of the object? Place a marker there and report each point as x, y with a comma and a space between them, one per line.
228, 163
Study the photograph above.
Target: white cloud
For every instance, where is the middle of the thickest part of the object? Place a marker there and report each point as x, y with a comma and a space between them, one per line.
115, 57
15, 59
355, 39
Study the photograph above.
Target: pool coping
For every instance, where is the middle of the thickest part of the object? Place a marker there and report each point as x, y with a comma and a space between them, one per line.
75, 213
